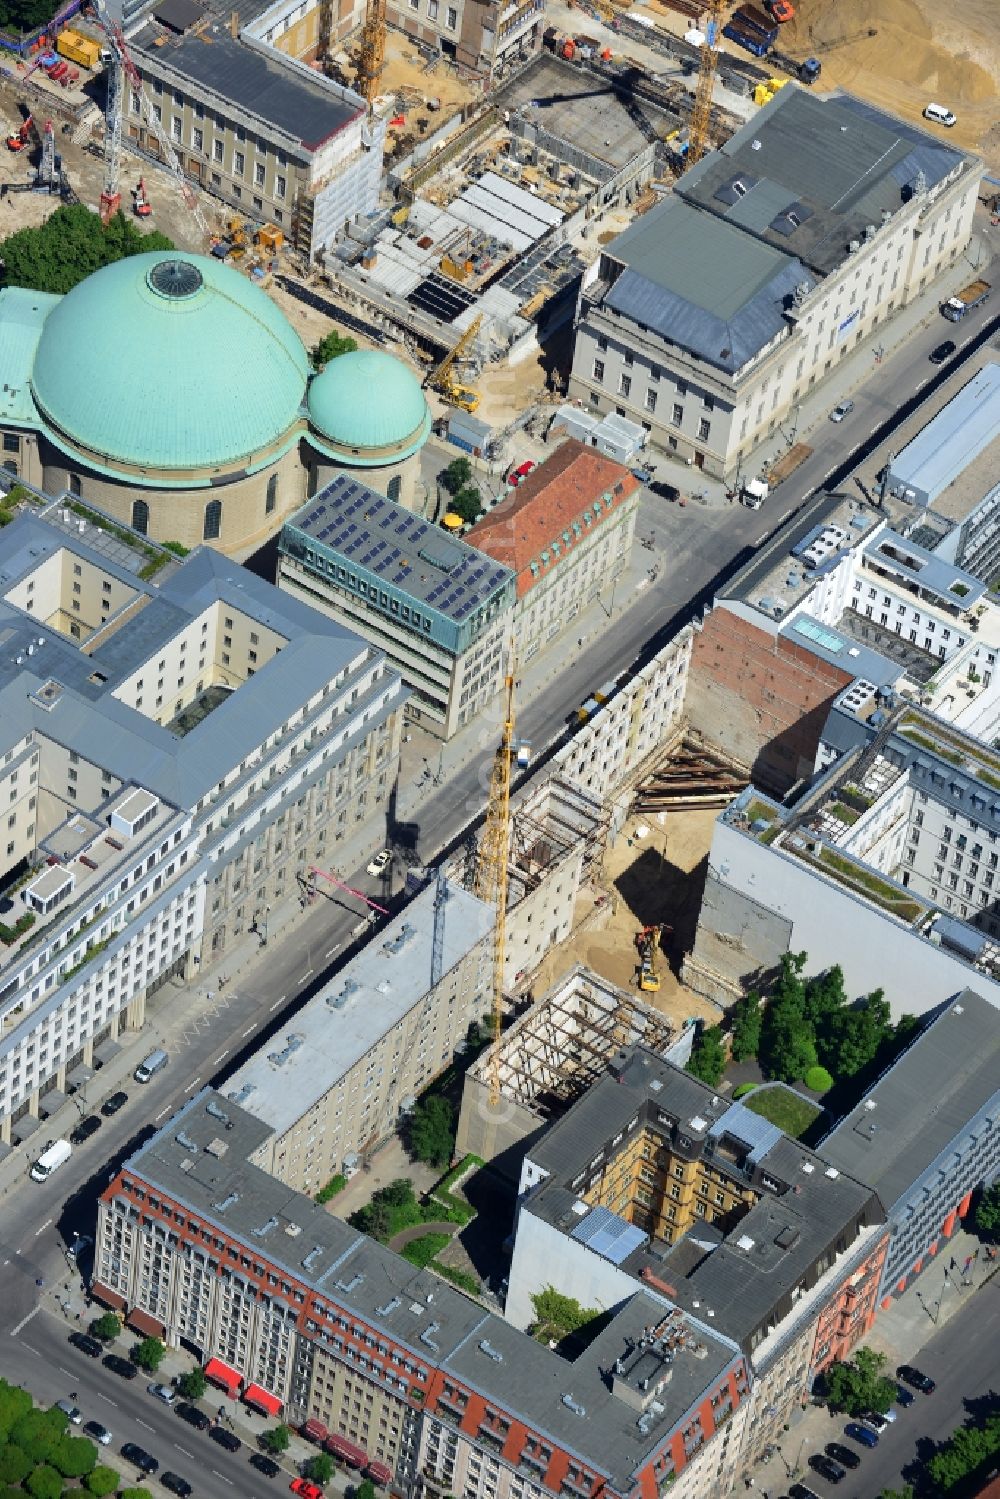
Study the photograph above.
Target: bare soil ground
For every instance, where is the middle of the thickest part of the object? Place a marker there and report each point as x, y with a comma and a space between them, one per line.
658, 878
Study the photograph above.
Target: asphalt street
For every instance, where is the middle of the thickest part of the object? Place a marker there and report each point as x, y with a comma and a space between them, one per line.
696, 549
961, 1357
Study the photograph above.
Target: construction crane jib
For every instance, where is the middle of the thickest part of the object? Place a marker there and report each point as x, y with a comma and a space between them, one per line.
491, 879
122, 72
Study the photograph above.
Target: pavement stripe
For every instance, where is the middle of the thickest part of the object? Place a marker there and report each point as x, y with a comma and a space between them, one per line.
220, 1058
24, 1322
101, 1396
140, 1422
184, 1452
192, 1085
45, 1225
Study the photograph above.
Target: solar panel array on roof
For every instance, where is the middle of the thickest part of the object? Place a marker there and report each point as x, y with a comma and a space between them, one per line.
608, 1235
442, 299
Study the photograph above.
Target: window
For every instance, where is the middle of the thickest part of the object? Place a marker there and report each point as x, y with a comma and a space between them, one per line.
176, 126
704, 428
11, 442
394, 487
258, 174
625, 385
678, 415
140, 517
197, 138
217, 150
279, 187
651, 400
239, 163
213, 521
272, 495
452, 20
432, 10
598, 370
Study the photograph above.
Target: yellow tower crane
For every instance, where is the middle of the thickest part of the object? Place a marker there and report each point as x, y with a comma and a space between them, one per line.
701, 114
441, 379
491, 875
371, 58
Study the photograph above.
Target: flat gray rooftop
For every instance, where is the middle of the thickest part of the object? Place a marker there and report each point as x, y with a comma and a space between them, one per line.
925, 1100
962, 431
368, 997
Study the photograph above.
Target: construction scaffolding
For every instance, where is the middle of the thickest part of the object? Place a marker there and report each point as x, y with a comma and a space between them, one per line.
695, 775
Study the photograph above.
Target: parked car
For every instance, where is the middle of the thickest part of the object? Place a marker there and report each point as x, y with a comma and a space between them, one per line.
919, 1381
518, 475
162, 1392
265, 1465
78, 1245
111, 1105
845, 1456
839, 412
903, 1397
119, 1366
139, 1457
381, 859
85, 1130
97, 1433
827, 1468
943, 351
176, 1485
70, 1411
305, 1489
862, 1434
90, 1346
877, 1421
801, 1491
193, 1415
227, 1439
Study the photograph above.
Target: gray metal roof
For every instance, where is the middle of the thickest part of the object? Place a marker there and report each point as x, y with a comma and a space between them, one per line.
441, 1326
838, 164
302, 105
832, 645
917, 568
703, 284
962, 430
924, 1102
345, 1019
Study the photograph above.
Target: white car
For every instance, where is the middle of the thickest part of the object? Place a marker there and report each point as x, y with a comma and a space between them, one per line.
381, 859
70, 1411
162, 1392
839, 412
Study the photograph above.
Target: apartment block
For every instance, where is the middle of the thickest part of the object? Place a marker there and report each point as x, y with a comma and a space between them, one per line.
174, 755
714, 314
487, 36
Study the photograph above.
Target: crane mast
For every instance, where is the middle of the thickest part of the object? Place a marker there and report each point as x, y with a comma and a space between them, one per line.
371, 59
701, 114
491, 875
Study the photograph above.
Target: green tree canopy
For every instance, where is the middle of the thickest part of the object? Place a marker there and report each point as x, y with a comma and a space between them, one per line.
15, 1465
101, 1482
319, 1467
849, 1039
106, 1327
44, 1483
708, 1056
331, 346
73, 1456
25, 15
457, 475
365, 1490
859, 1384
193, 1384
556, 1315
468, 503
747, 1019
39, 1433
971, 1448
430, 1132
277, 1439
149, 1354
988, 1212
69, 246
15, 1404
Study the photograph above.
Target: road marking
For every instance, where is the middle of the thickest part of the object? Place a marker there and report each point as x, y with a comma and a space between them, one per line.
101, 1396
32, 1350
335, 948
65, 1371
140, 1422
45, 1225
184, 1452
307, 975
249, 1030
761, 539
277, 1002
24, 1322
223, 1477
192, 1085
221, 1058
161, 1113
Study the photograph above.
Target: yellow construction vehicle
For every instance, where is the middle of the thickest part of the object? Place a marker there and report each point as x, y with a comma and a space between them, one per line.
647, 945
441, 378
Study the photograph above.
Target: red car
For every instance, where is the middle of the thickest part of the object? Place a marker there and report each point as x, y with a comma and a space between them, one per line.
305, 1489
521, 472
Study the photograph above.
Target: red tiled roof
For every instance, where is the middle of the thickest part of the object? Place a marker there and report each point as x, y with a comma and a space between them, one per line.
546, 504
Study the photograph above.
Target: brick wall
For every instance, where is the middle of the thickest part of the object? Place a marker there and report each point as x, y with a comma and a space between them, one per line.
761, 698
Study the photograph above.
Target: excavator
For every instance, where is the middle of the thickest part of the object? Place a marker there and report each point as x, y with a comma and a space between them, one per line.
647, 944
141, 206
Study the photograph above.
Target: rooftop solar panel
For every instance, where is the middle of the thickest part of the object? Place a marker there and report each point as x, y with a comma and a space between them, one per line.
608, 1235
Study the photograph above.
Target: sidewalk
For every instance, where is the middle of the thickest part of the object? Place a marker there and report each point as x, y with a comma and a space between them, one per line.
900, 1332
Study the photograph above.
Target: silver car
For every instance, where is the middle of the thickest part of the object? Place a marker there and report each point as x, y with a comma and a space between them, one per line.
839, 412
162, 1392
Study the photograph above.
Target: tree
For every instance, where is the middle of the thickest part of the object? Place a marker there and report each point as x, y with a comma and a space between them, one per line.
365, 1490
906, 1492
556, 1315
988, 1213
106, 1327
69, 246
818, 1079
967, 1450
431, 1131
277, 1439
457, 475
397, 1194
73, 1456
193, 1384
101, 1482
708, 1056
791, 1050
374, 1219
747, 1020
39, 1433
149, 1354
859, 1384
319, 1468
15, 1465
44, 1483
468, 503
849, 1039
24, 15
15, 1404
331, 346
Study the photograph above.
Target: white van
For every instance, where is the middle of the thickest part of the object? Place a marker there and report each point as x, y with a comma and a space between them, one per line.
154, 1063
939, 115
55, 1154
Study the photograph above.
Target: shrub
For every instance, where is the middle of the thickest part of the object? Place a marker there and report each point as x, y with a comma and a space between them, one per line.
743, 1090
818, 1080
420, 1252
106, 1327
334, 1185
44, 1483
101, 1483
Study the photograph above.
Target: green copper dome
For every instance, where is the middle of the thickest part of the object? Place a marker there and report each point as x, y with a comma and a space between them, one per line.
367, 402
169, 361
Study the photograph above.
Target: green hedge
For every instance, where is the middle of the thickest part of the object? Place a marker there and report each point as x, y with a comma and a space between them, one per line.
743, 1090
420, 1252
334, 1185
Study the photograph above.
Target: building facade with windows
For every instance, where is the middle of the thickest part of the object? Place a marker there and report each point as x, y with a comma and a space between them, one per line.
437, 607
715, 313
488, 36
174, 757
391, 1366
173, 393
566, 533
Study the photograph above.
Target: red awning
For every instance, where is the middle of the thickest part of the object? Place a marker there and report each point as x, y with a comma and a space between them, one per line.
221, 1374
379, 1473
354, 1456
144, 1323
314, 1431
109, 1298
255, 1394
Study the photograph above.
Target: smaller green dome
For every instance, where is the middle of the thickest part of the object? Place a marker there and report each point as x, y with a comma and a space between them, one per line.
371, 405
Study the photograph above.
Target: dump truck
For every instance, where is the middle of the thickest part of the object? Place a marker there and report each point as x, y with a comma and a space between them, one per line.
749, 18
788, 463
79, 48
748, 37
973, 295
